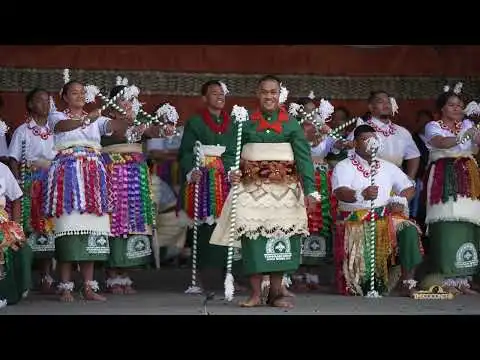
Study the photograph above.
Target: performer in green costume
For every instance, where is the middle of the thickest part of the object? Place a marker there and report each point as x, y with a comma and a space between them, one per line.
15, 253
212, 127
275, 172
453, 195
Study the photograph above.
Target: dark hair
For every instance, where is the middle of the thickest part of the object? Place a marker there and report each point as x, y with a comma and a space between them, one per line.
267, 78
445, 96
67, 86
366, 116
344, 109
31, 94
304, 101
205, 86
115, 90
361, 129
375, 93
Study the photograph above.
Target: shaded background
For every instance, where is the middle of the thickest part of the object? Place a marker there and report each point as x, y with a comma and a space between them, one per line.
344, 74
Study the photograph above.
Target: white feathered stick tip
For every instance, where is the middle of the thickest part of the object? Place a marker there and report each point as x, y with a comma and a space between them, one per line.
3, 128
325, 110
394, 105
239, 113
283, 94
472, 108
374, 144
66, 76
131, 92
53, 108
224, 88
91, 92
168, 112
294, 109
311, 95
446, 88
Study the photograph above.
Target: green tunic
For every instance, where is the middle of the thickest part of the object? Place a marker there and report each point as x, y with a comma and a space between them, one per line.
196, 129
254, 251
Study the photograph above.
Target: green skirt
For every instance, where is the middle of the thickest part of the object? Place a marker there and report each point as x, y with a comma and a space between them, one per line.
73, 248
454, 248
264, 255
43, 246
208, 255
315, 249
131, 252
18, 270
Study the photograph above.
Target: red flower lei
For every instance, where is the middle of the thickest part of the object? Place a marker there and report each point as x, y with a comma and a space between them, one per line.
359, 166
263, 124
43, 131
390, 130
68, 112
457, 125
212, 125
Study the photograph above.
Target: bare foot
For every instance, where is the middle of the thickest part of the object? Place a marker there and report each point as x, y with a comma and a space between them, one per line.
286, 293
46, 285
90, 292
252, 301
91, 295
467, 290
66, 296
280, 302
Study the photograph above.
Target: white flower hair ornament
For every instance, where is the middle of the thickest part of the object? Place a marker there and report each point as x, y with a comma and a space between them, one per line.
394, 105
457, 89
168, 112
224, 88
283, 94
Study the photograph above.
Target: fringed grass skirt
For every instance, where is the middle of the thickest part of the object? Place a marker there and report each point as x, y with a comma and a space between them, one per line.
133, 210
213, 191
453, 208
76, 198
38, 228
353, 263
318, 246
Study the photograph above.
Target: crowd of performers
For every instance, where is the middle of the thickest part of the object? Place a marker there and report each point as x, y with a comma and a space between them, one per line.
268, 194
